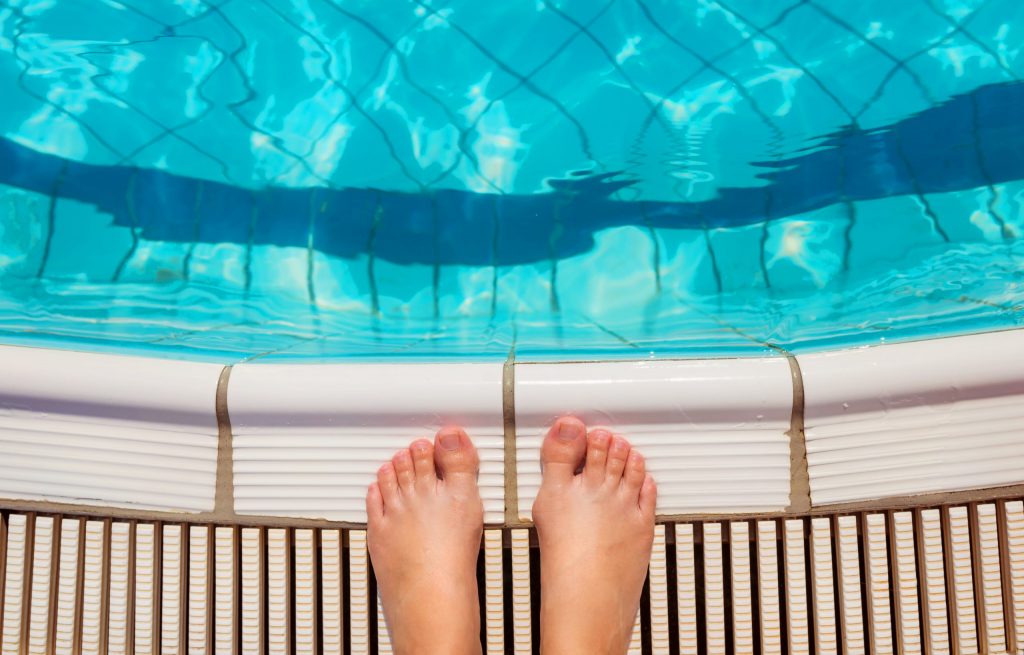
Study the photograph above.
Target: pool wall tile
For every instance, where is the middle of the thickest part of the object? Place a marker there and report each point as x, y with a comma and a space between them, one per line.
107, 430
913, 418
308, 439
714, 432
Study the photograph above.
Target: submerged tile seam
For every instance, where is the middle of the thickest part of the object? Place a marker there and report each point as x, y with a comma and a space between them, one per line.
224, 495
799, 479
508, 409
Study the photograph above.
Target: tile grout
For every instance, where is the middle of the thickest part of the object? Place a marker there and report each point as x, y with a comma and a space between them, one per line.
508, 407
799, 477
224, 494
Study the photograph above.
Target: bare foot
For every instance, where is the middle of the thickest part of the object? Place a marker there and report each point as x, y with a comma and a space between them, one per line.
425, 524
595, 530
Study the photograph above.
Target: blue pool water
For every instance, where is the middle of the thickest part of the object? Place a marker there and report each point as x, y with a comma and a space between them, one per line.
328, 179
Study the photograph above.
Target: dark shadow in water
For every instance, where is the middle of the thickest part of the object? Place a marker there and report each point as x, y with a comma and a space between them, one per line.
972, 140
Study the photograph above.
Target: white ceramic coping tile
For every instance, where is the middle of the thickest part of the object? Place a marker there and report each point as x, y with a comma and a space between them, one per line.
107, 429
308, 439
713, 431
911, 418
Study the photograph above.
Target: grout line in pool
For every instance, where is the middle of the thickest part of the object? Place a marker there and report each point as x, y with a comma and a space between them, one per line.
299, 341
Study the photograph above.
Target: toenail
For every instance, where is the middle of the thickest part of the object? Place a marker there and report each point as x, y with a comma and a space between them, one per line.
449, 440
569, 430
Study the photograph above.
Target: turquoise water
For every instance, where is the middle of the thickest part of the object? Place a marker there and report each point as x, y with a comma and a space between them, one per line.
313, 179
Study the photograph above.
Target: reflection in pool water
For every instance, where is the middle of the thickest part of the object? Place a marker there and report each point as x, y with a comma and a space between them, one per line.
624, 179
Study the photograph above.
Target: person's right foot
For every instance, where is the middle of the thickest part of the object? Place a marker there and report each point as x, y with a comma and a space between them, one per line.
595, 529
425, 520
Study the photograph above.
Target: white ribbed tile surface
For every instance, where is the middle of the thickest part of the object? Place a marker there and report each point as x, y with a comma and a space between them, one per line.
876, 572
521, 620
768, 589
851, 610
908, 618
40, 593
117, 602
742, 590
686, 590
494, 594
69, 582
14, 580
308, 439
107, 429
917, 417
824, 600
224, 603
332, 590
714, 590
713, 431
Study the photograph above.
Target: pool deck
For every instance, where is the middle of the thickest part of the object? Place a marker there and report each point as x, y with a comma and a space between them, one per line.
897, 425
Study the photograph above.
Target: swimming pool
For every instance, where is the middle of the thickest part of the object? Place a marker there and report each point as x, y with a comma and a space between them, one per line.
368, 219
317, 180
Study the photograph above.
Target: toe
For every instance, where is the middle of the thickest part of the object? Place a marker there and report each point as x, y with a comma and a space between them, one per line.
402, 462
387, 481
423, 461
617, 456
374, 503
636, 471
455, 455
563, 449
648, 497
598, 443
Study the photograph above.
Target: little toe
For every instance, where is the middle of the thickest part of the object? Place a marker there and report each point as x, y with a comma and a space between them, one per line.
598, 443
563, 449
636, 471
423, 461
402, 462
374, 503
387, 481
648, 497
455, 455
617, 456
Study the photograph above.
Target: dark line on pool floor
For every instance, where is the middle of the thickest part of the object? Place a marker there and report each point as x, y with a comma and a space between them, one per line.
134, 225
378, 217
51, 219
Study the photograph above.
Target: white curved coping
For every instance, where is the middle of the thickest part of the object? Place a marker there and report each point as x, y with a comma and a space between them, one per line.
308, 440
713, 431
885, 421
913, 418
110, 430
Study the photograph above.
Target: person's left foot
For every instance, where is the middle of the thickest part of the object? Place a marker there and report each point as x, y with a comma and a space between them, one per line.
425, 524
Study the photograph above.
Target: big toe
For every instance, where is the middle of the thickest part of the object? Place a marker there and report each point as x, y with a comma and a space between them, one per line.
455, 455
563, 449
